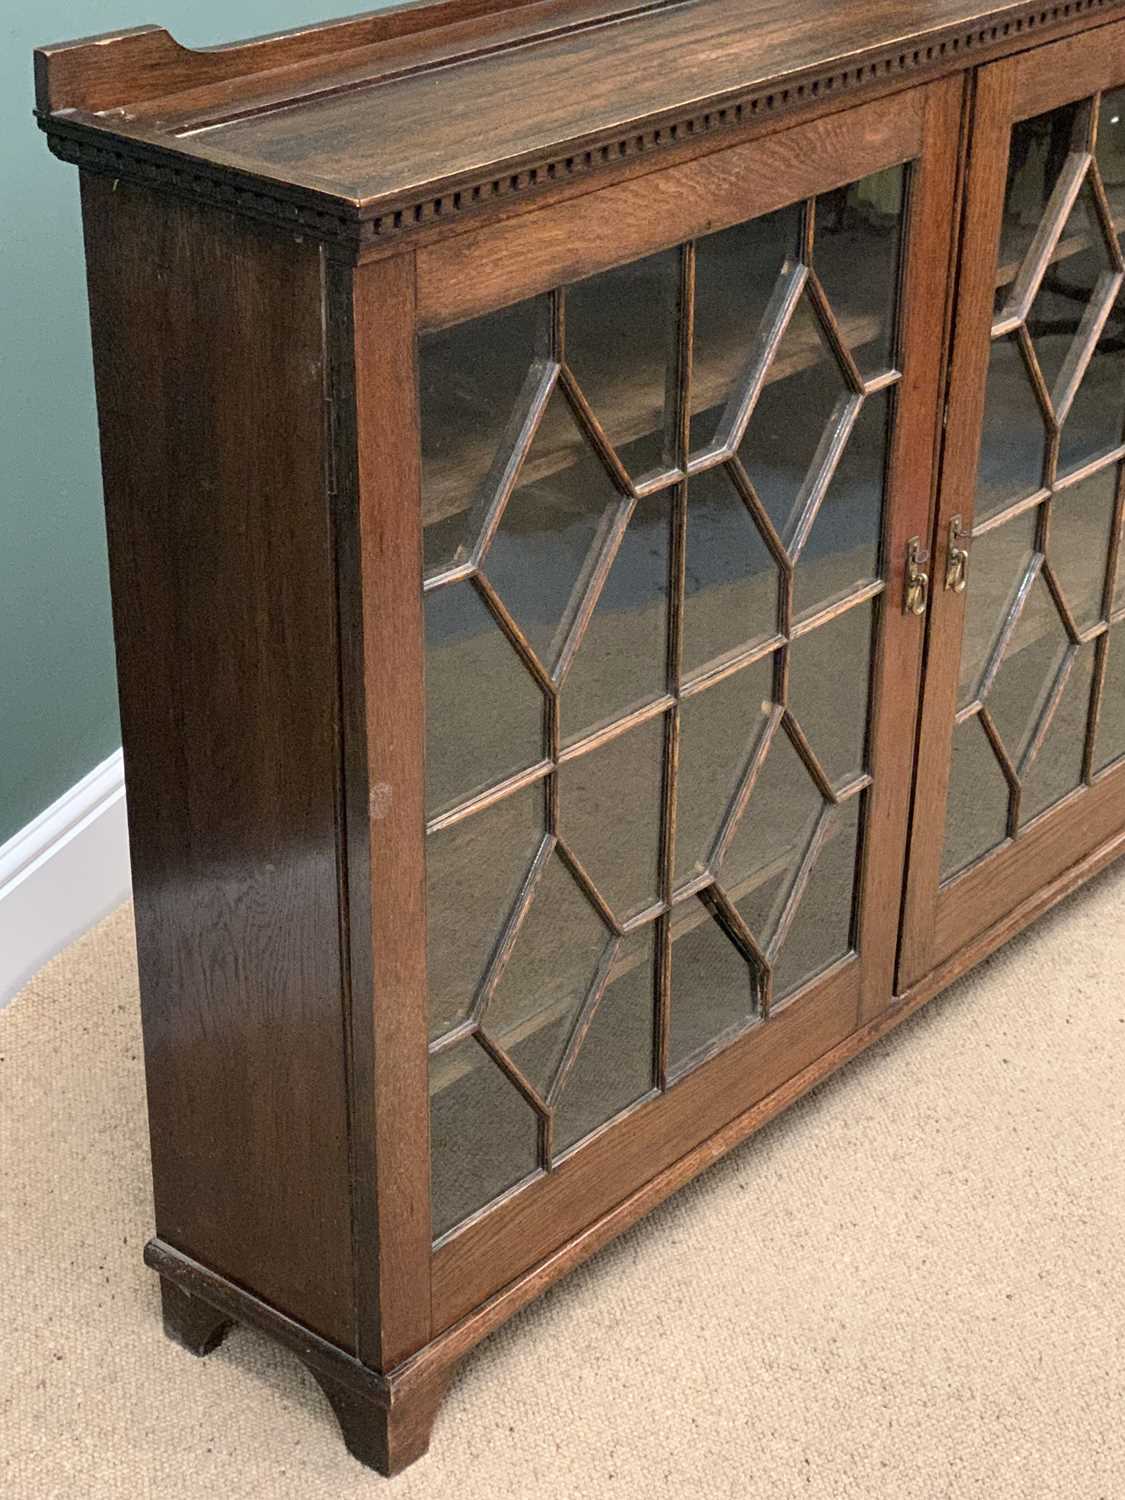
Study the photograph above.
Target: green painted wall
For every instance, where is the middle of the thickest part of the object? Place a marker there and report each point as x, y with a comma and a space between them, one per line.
57, 696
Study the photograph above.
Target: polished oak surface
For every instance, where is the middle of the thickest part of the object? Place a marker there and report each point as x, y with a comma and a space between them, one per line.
373, 118
543, 665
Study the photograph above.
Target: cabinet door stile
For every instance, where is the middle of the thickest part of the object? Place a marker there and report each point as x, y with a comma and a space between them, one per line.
379, 557
926, 298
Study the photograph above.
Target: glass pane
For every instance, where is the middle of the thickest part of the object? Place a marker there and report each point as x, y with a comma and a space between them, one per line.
842, 551
1110, 743
547, 543
829, 674
1073, 290
976, 818
1111, 153
610, 815
1014, 436
622, 661
474, 872
998, 564
1028, 671
1039, 148
771, 839
714, 989
1057, 768
547, 976
615, 1064
736, 273
1096, 422
856, 255
620, 338
821, 931
484, 710
475, 383
799, 408
719, 731
1081, 530
483, 1134
731, 579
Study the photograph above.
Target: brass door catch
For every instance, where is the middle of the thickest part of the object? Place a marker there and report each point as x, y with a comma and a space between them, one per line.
957, 562
916, 594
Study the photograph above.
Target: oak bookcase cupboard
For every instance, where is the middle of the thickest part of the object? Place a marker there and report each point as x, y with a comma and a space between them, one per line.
614, 523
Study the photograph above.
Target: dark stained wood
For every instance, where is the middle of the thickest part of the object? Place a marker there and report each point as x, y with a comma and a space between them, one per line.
939, 920
220, 545
925, 307
379, 530
984, 204
445, 138
1078, 67
385, 1424
1045, 850
261, 450
485, 268
190, 1321
145, 65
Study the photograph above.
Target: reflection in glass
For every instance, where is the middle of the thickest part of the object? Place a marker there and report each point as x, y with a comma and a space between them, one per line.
720, 728
714, 989
829, 672
1039, 148
736, 273
545, 548
474, 391
622, 661
1028, 671
1111, 153
856, 255
620, 342
614, 1066
475, 870
1081, 530
1057, 767
799, 407
609, 815
547, 977
998, 564
821, 931
771, 839
484, 711
842, 551
1079, 275
1014, 437
1096, 422
976, 816
1110, 742
483, 1134
730, 577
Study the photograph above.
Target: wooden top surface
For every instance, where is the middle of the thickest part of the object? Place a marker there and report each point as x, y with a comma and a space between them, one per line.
398, 107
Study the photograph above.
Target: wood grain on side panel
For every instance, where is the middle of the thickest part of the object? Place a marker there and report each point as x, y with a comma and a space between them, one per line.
208, 353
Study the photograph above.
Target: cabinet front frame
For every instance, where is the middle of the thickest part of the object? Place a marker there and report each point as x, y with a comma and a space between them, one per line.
940, 918
614, 226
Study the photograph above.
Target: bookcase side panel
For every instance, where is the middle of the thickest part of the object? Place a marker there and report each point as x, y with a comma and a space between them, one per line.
209, 358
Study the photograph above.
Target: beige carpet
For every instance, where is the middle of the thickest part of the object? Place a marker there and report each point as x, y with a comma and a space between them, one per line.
911, 1286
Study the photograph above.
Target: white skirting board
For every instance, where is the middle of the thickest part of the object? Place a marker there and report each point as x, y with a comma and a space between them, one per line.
58, 876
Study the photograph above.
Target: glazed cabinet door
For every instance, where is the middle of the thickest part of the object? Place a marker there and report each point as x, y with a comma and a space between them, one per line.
1021, 770
677, 436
